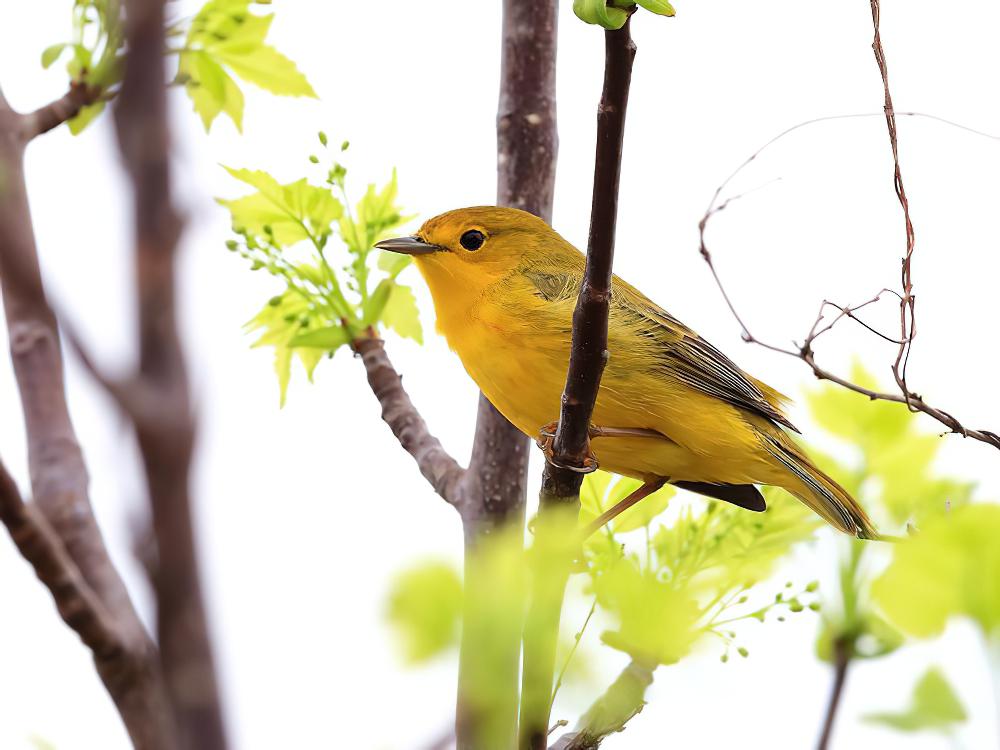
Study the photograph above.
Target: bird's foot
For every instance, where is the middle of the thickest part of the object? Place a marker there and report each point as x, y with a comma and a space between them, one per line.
546, 439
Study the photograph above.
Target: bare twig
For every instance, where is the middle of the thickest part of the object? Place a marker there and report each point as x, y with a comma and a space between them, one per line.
806, 351
562, 478
438, 467
842, 652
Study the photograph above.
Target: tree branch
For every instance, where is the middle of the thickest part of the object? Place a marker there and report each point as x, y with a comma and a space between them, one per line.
55, 113
438, 467
625, 697
494, 486
562, 478
59, 479
161, 412
842, 652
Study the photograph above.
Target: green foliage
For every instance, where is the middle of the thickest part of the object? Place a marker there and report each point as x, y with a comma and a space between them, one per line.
226, 38
425, 610
612, 14
94, 54
949, 569
693, 576
328, 297
892, 474
933, 705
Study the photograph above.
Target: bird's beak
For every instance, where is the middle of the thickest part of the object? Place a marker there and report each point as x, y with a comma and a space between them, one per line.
408, 246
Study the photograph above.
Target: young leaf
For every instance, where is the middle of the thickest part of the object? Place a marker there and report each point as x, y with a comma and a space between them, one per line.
425, 609
328, 339
51, 54
84, 117
267, 68
933, 705
401, 314
948, 569
600, 13
210, 89
660, 7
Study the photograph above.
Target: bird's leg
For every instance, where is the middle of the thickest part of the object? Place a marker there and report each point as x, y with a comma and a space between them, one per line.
648, 488
547, 435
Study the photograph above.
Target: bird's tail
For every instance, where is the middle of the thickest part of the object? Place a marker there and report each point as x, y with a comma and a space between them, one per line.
818, 491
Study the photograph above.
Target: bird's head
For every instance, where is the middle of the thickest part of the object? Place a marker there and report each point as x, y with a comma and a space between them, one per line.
468, 249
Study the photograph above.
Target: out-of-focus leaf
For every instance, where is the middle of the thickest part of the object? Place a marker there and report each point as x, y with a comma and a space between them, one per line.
328, 339
948, 569
52, 53
599, 493
393, 263
210, 88
425, 610
401, 314
933, 705
84, 117
657, 623
267, 68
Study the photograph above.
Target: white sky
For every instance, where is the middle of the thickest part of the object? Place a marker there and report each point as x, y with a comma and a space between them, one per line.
305, 513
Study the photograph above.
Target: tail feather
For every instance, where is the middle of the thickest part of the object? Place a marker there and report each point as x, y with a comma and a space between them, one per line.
819, 492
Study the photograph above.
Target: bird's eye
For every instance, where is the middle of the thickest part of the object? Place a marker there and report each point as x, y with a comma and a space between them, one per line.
473, 239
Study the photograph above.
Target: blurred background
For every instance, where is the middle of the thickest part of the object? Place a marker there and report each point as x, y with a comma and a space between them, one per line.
307, 513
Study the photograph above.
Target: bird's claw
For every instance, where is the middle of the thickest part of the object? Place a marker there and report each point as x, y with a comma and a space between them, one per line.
546, 438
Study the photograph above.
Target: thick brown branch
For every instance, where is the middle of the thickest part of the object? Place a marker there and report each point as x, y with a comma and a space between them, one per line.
163, 418
59, 478
438, 467
494, 486
612, 711
588, 355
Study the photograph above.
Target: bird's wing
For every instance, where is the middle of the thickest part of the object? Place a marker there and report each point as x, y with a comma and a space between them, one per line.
686, 355
696, 362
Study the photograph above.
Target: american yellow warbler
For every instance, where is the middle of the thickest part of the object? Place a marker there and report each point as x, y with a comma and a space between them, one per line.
671, 407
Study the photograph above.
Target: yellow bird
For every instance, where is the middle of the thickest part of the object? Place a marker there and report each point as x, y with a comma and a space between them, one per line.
671, 407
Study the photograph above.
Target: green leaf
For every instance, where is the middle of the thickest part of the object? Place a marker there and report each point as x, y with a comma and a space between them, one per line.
267, 68
294, 212
84, 117
210, 89
425, 610
656, 622
51, 54
401, 314
600, 13
328, 339
943, 571
933, 705
393, 263
660, 7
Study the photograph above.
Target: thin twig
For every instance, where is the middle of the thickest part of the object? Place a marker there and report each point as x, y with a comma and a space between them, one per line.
56, 112
806, 351
841, 661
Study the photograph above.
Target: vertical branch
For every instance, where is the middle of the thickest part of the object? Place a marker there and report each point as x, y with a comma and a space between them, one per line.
494, 485
841, 661
561, 481
907, 302
61, 515
157, 398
